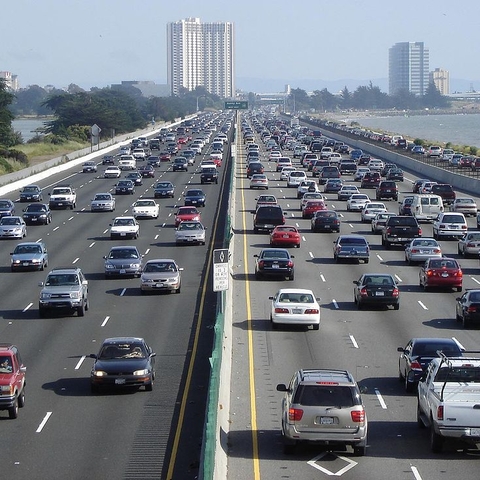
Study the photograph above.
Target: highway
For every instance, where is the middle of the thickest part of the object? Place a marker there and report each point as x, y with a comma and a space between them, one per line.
64, 431
363, 342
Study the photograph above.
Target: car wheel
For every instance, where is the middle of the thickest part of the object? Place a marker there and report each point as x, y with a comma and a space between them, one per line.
359, 305
465, 322
258, 276
289, 448
21, 398
13, 410
436, 441
94, 388
316, 326
435, 235
177, 290
365, 260
360, 451
81, 310
459, 289
42, 313
149, 386
458, 318
396, 306
291, 277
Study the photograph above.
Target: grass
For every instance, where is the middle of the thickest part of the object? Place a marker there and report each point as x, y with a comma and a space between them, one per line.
40, 152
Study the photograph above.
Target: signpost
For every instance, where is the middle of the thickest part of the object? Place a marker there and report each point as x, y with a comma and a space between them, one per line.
220, 270
236, 105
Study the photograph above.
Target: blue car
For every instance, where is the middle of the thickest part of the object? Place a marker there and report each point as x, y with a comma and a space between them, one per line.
356, 154
418, 149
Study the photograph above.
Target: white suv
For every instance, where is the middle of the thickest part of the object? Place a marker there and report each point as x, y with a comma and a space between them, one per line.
323, 406
449, 224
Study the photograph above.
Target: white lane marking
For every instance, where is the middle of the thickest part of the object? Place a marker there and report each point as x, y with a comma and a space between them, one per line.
352, 339
83, 209
475, 280
44, 421
164, 223
146, 251
322, 277
38, 241
398, 278
76, 260
107, 318
335, 304
288, 205
27, 307
350, 464
380, 399
422, 305
71, 218
91, 245
156, 236
350, 225
123, 292
458, 343
56, 228
79, 363
105, 231
125, 211
170, 214
379, 257
415, 472
311, 254
304, 239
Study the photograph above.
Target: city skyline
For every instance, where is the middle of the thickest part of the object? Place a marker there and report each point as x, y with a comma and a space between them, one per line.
103, 42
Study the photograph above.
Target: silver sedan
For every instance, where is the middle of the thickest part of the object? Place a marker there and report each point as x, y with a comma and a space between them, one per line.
469, 244
190, 232
421, 249
13, 227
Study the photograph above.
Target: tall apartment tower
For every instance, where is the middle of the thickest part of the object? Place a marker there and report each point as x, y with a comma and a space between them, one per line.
408, 68
201, 54
441, 79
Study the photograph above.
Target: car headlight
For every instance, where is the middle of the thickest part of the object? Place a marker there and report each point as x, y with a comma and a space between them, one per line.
35, 260
45, 296
75, 294
147, 280
99, 373
16, 261
7, 389
134, 265
141, 372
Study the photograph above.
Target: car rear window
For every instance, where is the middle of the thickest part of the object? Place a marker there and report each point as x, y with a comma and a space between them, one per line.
453, 219
325, 395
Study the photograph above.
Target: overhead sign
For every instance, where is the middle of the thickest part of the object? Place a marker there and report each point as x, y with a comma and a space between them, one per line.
237, 105
220, 270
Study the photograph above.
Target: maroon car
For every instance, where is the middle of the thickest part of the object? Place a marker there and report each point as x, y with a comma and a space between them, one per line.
441, 272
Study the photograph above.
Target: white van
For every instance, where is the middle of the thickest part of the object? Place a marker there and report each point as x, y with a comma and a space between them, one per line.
426, 206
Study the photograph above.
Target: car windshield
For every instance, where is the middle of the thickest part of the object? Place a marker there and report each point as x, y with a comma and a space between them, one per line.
30, 189
442, 264
61, 279
126, 350
163, 185
424, 243
152, 267
430, 349
194, 193
352, 241
274, 254
10, 221
124, 221
187, 211
145, 203
102, 197
123, 253
325, 395
5, 205
296, 298
35, 208
190, 226
458, 374
22, 249
377, 280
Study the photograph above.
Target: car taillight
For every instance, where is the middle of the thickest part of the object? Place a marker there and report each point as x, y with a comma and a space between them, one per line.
358, 416
363, 292
459, 273
440, 412
395, 292
430, 273
419, 232
416, 365
290, 263
281, 310
472, 309
295, 414
261, 263
311, 311
388, 230
414, 250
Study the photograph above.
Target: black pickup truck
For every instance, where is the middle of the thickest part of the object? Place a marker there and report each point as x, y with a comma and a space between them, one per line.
209, 175
400, 229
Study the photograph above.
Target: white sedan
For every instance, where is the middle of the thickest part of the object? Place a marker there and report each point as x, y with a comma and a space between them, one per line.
295, 306
112, 172
357, 201
371, 209
124, 227
145, 209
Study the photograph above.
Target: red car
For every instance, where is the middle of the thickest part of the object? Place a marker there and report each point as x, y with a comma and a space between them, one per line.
12, 380
165, 157
441, 272
285, 235
187, 213
217, 160
311, 207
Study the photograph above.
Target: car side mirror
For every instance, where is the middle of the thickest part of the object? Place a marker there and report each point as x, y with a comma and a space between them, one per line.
84, 282
400, 349
40, 284
281, 387
92, 355
363, 389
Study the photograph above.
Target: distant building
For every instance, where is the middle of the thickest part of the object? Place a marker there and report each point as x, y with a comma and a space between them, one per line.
441, 79
10, 80
408, 68
201, 54
148, 88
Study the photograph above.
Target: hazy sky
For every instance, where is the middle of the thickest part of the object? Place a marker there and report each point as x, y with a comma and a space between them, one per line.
100, 42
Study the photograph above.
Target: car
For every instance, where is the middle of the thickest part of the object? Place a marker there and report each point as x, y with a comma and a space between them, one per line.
266, 200
108, 159
295, 178
29, 256
285, 235
63, 196
379, 221
465, 205
165, 156
361, 171
12, 380
357, 201
333, 185
152, 161
325, 220
442, 272
283, 162
328, 172
210, 175
89, 167
259, 180
395, 174
446, 191
343, 149
305, 186
418, 353
254, 168
467, 308
102, 202
386, 168
417, 184
370, 180
387, 189
449, 224
434, 151
275, 262
370, 210
161, 275
418, 150
31, 193
123, 362
7, 207
421, 249
124, 187
285, 172
307, 197
323, 406
164, 190
351, 247
187, 214
346, 192
112, 172
405, 207
180, 164
376, 289
13, 227
426, 187
135, 177
469, 244
64, 289
375, 165
194, 197
190, 231
123, 261
37, 214
145, 208
312, 206
147, 171
124, 227
294, 306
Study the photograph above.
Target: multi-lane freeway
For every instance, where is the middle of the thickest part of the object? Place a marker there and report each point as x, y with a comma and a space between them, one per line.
363, 342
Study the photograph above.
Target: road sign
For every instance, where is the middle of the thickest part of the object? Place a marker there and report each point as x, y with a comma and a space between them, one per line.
220, 270
237, 105
95, 130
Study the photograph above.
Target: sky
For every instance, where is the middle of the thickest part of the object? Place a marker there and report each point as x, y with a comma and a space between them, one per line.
99, 42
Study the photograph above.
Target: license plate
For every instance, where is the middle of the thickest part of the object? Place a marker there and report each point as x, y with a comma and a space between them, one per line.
158, 285
123, 234
296, 310
380, 294
59, 204
445, 274
475, 432
25, 264
275, 265
119, 381
34, 219
326, 421
285, 236
122, 270
453, 227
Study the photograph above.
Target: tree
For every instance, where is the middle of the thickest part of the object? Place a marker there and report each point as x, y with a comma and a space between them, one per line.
7, 135
433, 98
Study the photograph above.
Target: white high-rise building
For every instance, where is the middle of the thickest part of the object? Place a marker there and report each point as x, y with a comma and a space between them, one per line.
408, 68
441, 79
201, 54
